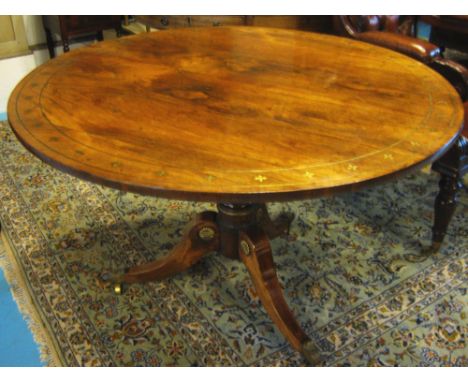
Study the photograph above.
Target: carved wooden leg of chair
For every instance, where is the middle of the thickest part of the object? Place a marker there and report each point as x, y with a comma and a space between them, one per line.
445, 204
50, 43
65, 43
255, 252
277, 227
451, 167
201, 237
100, 36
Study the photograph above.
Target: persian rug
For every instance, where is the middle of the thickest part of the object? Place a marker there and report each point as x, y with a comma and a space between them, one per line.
353, 268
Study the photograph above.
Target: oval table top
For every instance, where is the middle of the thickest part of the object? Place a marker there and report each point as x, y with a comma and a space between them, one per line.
235, 114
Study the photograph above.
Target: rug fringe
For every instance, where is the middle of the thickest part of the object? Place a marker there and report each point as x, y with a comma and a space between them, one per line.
15, 278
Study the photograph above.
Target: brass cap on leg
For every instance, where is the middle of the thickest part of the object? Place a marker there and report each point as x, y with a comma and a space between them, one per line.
118, 288
436, 246
312, 354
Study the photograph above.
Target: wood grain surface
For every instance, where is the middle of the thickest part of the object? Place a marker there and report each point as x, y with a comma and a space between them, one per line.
235, 114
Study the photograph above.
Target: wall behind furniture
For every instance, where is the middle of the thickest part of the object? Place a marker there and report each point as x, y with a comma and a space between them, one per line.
34, 30
12, 70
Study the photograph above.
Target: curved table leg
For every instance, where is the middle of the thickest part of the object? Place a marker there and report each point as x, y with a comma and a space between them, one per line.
255, 252
274, 228
201, 237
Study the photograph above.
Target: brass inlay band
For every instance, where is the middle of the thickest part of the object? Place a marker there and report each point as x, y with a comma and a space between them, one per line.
260, 178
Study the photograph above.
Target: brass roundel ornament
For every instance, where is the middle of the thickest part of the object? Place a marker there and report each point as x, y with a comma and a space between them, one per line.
206, 233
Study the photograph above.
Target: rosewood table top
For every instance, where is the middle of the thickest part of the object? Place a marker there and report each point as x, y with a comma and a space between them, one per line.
235, 114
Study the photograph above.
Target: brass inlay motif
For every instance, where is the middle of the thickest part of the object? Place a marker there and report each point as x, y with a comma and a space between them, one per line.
260, 178
388, 156
309, 174
352, 167
245, 247
206, 233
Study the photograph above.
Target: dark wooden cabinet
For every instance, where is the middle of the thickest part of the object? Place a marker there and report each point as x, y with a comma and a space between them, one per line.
311, 23
70, 27
314, 23
169, 22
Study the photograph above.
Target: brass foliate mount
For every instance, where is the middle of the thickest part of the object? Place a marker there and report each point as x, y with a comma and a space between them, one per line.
206, 233
245, 247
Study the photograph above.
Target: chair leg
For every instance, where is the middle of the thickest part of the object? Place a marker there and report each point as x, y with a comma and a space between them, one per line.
445, 205
451, 167
66, 44
50, 43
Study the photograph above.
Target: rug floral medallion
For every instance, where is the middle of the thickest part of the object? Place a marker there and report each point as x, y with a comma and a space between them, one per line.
353, 268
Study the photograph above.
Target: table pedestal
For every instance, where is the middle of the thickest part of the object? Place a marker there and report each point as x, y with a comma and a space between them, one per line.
241, 232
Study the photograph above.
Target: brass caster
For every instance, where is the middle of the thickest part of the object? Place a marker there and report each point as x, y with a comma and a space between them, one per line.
436, 246
428, 251
118, 288
312, 354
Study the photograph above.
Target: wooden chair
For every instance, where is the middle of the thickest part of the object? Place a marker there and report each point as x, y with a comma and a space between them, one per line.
449, 31
387, 31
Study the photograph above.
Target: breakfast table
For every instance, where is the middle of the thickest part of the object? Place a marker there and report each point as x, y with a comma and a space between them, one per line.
239, 116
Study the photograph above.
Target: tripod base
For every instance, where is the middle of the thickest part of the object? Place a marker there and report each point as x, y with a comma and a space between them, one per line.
241, 232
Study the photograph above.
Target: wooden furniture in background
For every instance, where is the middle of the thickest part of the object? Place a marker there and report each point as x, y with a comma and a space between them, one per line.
69, 27
448, 31
454, 164
13, 41
389, 30
319, 24
311, 23
170, 22
351, 25
239, 116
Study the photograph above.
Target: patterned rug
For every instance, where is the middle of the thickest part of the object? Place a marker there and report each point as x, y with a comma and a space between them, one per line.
351, 268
